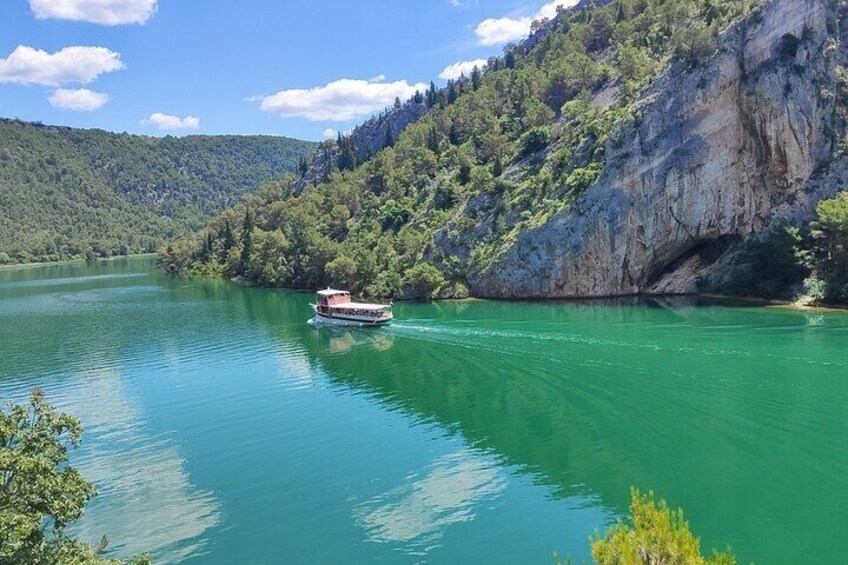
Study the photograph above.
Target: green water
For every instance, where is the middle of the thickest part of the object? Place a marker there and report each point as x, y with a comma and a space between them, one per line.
221, 428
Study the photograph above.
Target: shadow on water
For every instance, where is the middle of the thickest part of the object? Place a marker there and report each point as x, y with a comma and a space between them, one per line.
737, 413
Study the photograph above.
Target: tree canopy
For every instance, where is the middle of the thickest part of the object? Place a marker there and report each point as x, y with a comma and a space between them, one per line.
66, 191
40, 493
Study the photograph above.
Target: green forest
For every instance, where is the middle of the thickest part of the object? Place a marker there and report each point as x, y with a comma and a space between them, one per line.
504, 148
67, 193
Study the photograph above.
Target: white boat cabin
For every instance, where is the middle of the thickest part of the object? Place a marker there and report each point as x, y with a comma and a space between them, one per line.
336, 306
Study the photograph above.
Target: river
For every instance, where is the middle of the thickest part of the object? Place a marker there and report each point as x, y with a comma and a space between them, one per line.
222, 428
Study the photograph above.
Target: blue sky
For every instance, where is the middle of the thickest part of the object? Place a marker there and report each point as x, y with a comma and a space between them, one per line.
286, 67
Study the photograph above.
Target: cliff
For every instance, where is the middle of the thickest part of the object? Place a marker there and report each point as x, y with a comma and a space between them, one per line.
713, 155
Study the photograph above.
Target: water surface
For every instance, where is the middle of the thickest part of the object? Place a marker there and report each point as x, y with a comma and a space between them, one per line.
221, 428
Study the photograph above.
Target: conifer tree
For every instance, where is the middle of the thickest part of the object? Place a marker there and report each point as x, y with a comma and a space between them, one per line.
433, 140
431, 95
229, 239
475, 78
246, 240
390, 136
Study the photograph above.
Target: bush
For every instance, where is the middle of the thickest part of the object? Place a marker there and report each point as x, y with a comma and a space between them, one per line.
657, 535
535, 140
422, 281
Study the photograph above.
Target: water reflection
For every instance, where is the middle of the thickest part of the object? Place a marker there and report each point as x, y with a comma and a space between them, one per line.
416, 513
145, 501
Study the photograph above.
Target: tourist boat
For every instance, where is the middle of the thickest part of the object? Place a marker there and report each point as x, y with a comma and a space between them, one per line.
335, 307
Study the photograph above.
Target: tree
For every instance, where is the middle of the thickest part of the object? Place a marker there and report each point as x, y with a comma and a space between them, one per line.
246, 240
341, 272
397, 103
40, 493
229, 238
431, 95
423, 280
830, 234
433, 140
476, 76
390, 136
658, 535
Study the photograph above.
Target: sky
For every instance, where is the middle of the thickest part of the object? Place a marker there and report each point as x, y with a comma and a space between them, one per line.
299, 68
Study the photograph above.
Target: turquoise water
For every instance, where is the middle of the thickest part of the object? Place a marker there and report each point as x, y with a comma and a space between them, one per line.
222, 428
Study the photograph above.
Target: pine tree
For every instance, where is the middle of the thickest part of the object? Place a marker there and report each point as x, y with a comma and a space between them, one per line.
390, 136
229, 239
418, 98
497, 166
453, 134
452, 92
475, 78
433, 140
246, 240
397, 103
431, 95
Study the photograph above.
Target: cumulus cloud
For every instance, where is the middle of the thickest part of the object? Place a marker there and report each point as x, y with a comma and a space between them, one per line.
456, 70
330, 133
107, 12
26, 65
340, 100
169, 122
80, 99
494, 31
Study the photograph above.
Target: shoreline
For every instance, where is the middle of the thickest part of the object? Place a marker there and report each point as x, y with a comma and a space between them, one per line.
16, 266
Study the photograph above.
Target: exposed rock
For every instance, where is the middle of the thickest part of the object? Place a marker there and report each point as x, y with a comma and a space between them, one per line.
715, 154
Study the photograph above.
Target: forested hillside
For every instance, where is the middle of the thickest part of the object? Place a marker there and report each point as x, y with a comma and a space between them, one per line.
502, 150
620, 151
66, 192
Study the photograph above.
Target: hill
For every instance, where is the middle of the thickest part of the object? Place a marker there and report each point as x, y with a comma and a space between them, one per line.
627, 147
65, 191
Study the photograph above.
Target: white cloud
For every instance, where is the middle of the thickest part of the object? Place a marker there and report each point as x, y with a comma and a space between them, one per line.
169, 122
330, 133
108, 12
340, 100
26, 65
456, 70
80, 99
494, 31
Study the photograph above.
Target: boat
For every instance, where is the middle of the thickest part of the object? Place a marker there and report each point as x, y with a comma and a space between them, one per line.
335, 307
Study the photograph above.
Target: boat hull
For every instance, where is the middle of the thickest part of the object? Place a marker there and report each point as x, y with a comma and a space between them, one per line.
342, 320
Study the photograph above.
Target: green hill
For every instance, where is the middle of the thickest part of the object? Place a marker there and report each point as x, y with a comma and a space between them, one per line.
65, 191
627, 147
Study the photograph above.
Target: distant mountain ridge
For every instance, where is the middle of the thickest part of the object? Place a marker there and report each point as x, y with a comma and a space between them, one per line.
65, 192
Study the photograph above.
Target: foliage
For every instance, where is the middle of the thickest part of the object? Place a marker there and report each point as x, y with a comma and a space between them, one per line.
655, 535
830, 234
65, 192
423, 280
773, 263
459, 174
40, 493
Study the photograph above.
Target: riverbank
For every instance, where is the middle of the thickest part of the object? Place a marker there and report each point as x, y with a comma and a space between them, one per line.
81, 260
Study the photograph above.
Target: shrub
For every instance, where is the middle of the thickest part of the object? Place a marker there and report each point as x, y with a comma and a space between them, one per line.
657, 535
534, 140
423, 280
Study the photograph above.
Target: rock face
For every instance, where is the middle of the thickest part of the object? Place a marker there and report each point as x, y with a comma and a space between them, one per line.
714, 155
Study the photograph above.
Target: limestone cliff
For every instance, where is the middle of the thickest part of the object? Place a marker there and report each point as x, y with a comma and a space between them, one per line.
714, 154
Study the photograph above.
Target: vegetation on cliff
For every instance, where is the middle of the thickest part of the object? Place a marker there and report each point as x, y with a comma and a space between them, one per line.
40, 493
67, 192
787, 260
497, 153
